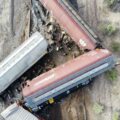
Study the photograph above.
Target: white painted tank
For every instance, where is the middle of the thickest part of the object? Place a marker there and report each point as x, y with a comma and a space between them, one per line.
15, 112
22, 59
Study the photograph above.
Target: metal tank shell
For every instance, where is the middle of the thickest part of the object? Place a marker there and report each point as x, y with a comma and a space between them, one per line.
15, 112
69, 24
22, 59
63, 78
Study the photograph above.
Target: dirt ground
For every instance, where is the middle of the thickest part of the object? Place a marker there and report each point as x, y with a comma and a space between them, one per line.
13, 21
78, 105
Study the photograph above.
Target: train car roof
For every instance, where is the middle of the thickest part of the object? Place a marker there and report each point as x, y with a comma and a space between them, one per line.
64, 70
17, 54
15, 112
69, 24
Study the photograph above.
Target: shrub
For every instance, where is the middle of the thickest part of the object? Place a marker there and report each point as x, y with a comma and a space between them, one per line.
108, 29
110, 3
115, 116
115, 46
112, 74
98, 108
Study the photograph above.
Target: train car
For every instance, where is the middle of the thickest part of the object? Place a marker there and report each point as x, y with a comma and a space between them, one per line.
76, 30
73, 12
22, 59
78, 71
15, 112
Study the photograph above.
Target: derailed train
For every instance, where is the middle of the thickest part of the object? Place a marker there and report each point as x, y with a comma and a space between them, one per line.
64, 78
22, 59
72, 23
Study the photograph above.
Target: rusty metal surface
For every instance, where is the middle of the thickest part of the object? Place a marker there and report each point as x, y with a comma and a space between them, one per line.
68, 23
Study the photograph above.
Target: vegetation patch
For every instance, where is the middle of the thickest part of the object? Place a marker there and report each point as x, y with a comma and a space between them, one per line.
115, 46
110, 3
108, 29
112, 74
116, 116
98, 108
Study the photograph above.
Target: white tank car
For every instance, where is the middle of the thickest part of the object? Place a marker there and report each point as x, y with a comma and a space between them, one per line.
22, 59
15, 112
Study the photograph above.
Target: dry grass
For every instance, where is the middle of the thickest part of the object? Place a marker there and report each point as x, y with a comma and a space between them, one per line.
108, 29
115, 46
110, 3
98, 108
115, 116
112, 74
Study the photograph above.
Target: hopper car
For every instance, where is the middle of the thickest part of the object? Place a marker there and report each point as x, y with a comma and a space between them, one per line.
62, 79
16, 112
71, 23
22, 59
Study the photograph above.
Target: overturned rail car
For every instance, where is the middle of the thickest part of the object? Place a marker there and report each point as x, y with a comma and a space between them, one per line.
71, 24
78, 71
22, 59
16, 112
